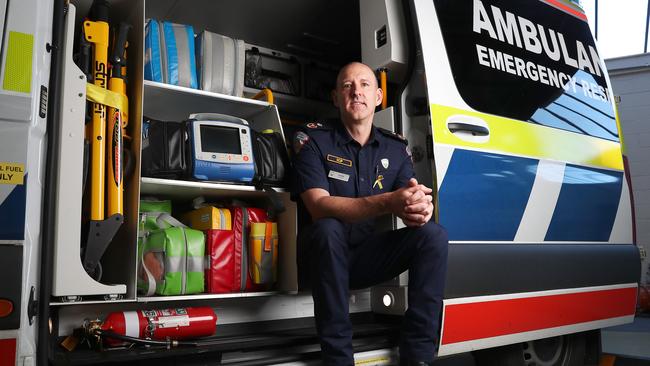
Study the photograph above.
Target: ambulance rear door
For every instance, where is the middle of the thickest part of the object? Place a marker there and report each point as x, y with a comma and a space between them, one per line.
528, 170
521, 93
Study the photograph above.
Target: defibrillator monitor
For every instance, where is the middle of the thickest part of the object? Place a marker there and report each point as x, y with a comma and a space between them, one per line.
221, 148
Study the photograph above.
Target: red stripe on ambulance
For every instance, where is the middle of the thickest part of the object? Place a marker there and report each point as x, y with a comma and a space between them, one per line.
492, 318
567, 9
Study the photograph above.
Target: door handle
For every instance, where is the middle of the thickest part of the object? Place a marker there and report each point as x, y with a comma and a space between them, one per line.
469, 128
475, 130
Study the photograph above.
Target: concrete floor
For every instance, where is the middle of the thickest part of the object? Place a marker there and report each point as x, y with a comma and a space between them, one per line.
631, 342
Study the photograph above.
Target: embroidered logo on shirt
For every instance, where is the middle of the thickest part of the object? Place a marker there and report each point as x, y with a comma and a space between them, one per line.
339, 176
385, 163
339, 160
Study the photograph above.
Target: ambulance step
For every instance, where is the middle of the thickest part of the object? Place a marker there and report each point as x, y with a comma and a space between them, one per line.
264, 348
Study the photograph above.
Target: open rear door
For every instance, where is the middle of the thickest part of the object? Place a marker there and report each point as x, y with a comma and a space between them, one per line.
529, 172
525, 137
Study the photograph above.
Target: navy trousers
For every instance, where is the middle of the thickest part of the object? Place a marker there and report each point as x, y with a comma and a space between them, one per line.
335, 265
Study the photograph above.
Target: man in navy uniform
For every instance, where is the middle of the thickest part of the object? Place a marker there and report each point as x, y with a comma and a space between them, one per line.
347, 174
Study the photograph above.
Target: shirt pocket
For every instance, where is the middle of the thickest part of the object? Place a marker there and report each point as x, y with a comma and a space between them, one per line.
384, 180
341, 179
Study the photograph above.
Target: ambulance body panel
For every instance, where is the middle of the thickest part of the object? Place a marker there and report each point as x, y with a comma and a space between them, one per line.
24, 75
557, 137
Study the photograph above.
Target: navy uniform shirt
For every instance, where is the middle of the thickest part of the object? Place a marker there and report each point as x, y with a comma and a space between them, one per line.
327, 157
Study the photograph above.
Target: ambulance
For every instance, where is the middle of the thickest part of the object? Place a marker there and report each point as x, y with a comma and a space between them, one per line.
509, 115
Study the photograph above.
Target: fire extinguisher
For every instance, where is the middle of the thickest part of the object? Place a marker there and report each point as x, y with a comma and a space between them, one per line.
158, 325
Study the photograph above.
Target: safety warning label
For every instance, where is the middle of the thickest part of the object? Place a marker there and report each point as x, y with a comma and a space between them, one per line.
12, 173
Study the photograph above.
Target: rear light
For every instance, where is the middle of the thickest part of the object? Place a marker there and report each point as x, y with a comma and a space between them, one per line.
6, 308
628, 178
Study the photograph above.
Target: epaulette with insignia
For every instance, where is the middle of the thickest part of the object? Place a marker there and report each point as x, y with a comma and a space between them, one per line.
317, 126
393, 135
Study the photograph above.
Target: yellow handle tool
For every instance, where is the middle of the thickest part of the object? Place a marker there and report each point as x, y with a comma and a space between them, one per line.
264, 93
384, 88
114, 167
114, 183
96, 32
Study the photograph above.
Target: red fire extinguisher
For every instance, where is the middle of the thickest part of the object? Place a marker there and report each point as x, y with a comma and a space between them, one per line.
165, 324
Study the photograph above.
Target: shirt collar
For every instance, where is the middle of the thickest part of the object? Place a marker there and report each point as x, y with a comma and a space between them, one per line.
343, 136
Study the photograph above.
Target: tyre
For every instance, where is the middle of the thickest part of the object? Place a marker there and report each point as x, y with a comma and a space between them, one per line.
566, 350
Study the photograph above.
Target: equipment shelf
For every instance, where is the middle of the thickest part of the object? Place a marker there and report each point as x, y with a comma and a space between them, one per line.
204, 296
183, 189
298, 105
172, 102
90, 302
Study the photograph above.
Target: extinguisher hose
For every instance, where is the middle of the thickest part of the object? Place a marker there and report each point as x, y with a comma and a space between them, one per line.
169, 343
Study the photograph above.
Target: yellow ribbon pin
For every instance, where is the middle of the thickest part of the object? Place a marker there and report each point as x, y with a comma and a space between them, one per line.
378, 182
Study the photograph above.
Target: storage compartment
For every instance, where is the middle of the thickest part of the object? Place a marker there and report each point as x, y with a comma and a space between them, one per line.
117, 264
298, 61
309, 31
289, 37
182, 193
174, 103
284, 52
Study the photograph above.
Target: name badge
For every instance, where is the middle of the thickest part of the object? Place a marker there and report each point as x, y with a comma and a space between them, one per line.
339, 160
339, 176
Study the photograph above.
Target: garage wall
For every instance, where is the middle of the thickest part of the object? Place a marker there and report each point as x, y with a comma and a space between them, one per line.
630, 78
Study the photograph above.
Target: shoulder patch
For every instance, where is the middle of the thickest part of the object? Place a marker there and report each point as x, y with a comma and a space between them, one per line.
299, 140
393, 135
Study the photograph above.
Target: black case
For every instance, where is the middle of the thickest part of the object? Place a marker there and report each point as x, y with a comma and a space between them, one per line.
163, 149
271, 159
280, 74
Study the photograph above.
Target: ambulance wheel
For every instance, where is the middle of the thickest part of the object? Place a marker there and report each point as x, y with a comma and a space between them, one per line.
566, 350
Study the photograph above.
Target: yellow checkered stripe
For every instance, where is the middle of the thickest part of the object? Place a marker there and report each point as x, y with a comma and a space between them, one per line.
18, 64
530, 140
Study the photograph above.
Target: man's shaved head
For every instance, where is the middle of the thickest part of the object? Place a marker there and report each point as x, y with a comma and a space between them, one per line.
352, 64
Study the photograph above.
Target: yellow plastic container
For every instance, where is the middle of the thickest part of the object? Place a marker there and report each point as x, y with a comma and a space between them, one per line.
263, 252
209, 217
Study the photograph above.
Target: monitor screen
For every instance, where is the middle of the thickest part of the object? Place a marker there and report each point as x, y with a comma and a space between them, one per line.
218, 139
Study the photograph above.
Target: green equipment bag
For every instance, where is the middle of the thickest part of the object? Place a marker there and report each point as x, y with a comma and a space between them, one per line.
152, 217
170, 255
173, 258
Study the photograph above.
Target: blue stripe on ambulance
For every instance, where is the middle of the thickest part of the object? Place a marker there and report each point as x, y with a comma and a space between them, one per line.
483, 195
12, 214
587, 205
